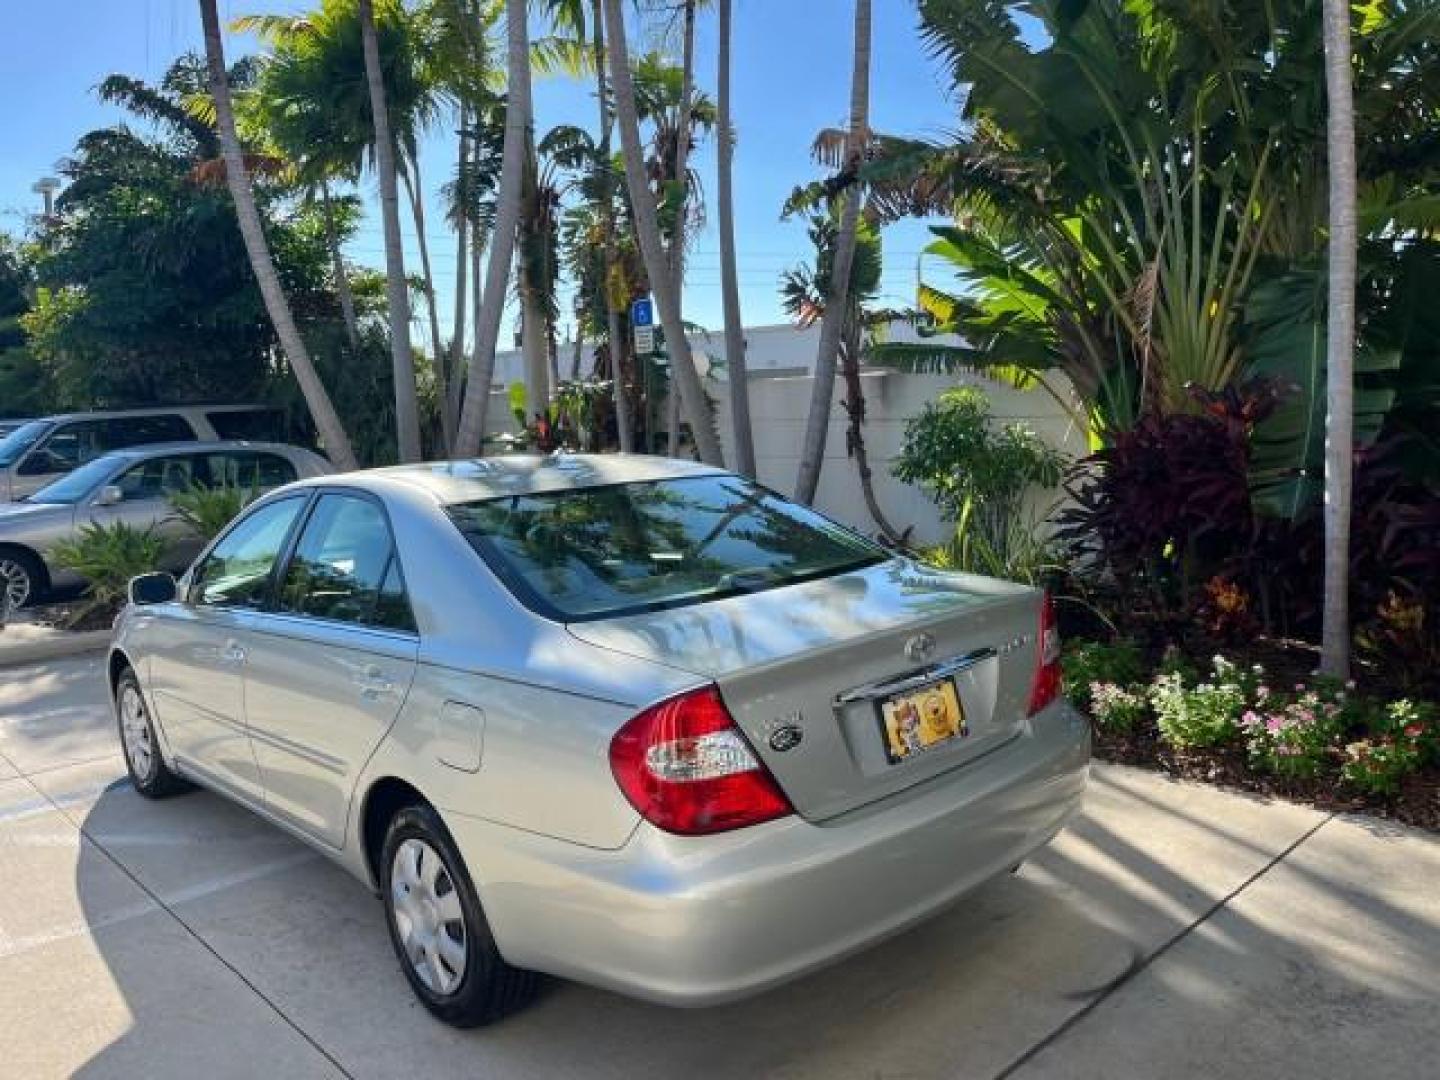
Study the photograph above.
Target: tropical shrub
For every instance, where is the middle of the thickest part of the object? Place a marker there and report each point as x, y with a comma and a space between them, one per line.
980, 476
207, 510
1116, 709
1087, 663
1400, 741
108, 556
1207, 714
1295, 735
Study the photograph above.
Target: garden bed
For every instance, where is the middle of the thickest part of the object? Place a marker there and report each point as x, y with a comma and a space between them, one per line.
1258, 720
1417, 802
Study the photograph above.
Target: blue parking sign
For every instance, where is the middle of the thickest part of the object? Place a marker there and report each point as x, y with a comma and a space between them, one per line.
642, 312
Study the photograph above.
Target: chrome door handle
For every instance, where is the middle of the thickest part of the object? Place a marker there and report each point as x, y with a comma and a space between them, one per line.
234, 653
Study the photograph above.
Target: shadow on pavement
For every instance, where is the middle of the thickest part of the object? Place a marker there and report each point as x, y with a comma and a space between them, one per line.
1327, 961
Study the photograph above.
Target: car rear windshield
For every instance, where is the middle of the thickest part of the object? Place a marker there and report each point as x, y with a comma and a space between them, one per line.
617, 550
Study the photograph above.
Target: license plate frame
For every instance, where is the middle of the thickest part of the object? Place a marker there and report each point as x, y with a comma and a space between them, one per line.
916, 722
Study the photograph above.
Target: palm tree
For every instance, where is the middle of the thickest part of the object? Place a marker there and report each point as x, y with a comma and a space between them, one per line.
729, 281
407, 409
322, 411
604, 195
647, 224
817, 426
805, 294
1340, 340
502, 248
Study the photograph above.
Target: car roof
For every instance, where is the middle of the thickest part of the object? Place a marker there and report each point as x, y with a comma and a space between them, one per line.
471, 479
147, 450
155, 410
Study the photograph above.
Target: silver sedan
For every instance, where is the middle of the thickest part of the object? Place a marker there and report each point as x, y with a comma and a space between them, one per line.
626, 720
131, 487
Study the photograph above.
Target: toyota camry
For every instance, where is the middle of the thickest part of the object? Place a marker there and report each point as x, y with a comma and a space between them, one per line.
626, 720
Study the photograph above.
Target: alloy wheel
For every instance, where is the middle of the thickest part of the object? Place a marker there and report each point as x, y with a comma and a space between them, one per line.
135, 732
15, 584
428, 916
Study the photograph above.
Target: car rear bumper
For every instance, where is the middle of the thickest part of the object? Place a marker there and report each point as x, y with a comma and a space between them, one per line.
703, 920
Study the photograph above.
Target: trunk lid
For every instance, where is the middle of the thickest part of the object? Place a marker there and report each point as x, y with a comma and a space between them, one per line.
822, 657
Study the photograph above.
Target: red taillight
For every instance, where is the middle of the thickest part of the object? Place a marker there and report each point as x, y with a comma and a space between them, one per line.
1046, 687
685, 766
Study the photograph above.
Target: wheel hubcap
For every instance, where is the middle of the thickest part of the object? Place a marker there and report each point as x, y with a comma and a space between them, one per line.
427, 915
14, 584
135, 733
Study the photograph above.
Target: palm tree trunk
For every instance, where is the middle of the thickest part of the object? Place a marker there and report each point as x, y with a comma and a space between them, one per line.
337, 267
533, 345
579, 354
817, 426
414, 192
855, 433
623, 429
647, 226
327, 422
462, 269
407, 409
502, 243
1340, 341
682, 170
735, 364
457, 376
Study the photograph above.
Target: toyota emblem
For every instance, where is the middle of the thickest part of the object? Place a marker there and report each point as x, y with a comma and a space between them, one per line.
919, 648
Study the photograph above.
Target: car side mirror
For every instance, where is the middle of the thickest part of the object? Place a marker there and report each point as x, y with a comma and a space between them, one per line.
157, 588
109, 495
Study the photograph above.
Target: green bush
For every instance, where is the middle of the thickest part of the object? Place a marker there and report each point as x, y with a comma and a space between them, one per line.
979, 476
1114, 708
1119, 663
1207, 714
1296, 735
207, 510
108, 556
1400, 741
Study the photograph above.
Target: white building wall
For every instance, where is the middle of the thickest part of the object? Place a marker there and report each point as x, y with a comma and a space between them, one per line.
780, 358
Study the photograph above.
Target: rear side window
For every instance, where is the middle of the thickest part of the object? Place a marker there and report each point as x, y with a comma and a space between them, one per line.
252, 425
252, 471
608, 551
345, 568
124, 431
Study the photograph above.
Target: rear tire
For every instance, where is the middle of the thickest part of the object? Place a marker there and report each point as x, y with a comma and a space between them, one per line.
22, 578
145, 763
438, 928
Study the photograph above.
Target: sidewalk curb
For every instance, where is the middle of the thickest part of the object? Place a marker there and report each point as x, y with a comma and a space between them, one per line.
64, 645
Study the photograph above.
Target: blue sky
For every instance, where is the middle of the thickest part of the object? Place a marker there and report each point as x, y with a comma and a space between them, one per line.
791, 78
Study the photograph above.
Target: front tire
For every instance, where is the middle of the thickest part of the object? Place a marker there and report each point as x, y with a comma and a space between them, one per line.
438, 928
148, 772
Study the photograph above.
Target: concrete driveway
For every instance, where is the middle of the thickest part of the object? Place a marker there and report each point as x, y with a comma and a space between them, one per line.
1174, 931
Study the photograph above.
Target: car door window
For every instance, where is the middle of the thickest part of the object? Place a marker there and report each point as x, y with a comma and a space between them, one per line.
69, 446
159, 478
237, 571
345, 569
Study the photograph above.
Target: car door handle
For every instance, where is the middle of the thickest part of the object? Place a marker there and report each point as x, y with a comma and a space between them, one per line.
234, 653
373, 682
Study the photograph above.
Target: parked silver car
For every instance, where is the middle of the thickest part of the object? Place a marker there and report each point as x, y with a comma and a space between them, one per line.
626, 720
133, 486
38, 451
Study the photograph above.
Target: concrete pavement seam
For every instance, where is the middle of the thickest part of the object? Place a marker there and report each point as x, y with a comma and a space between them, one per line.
1075, 1018
275, 1008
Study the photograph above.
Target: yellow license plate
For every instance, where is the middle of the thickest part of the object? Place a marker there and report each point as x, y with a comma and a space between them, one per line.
922, 720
